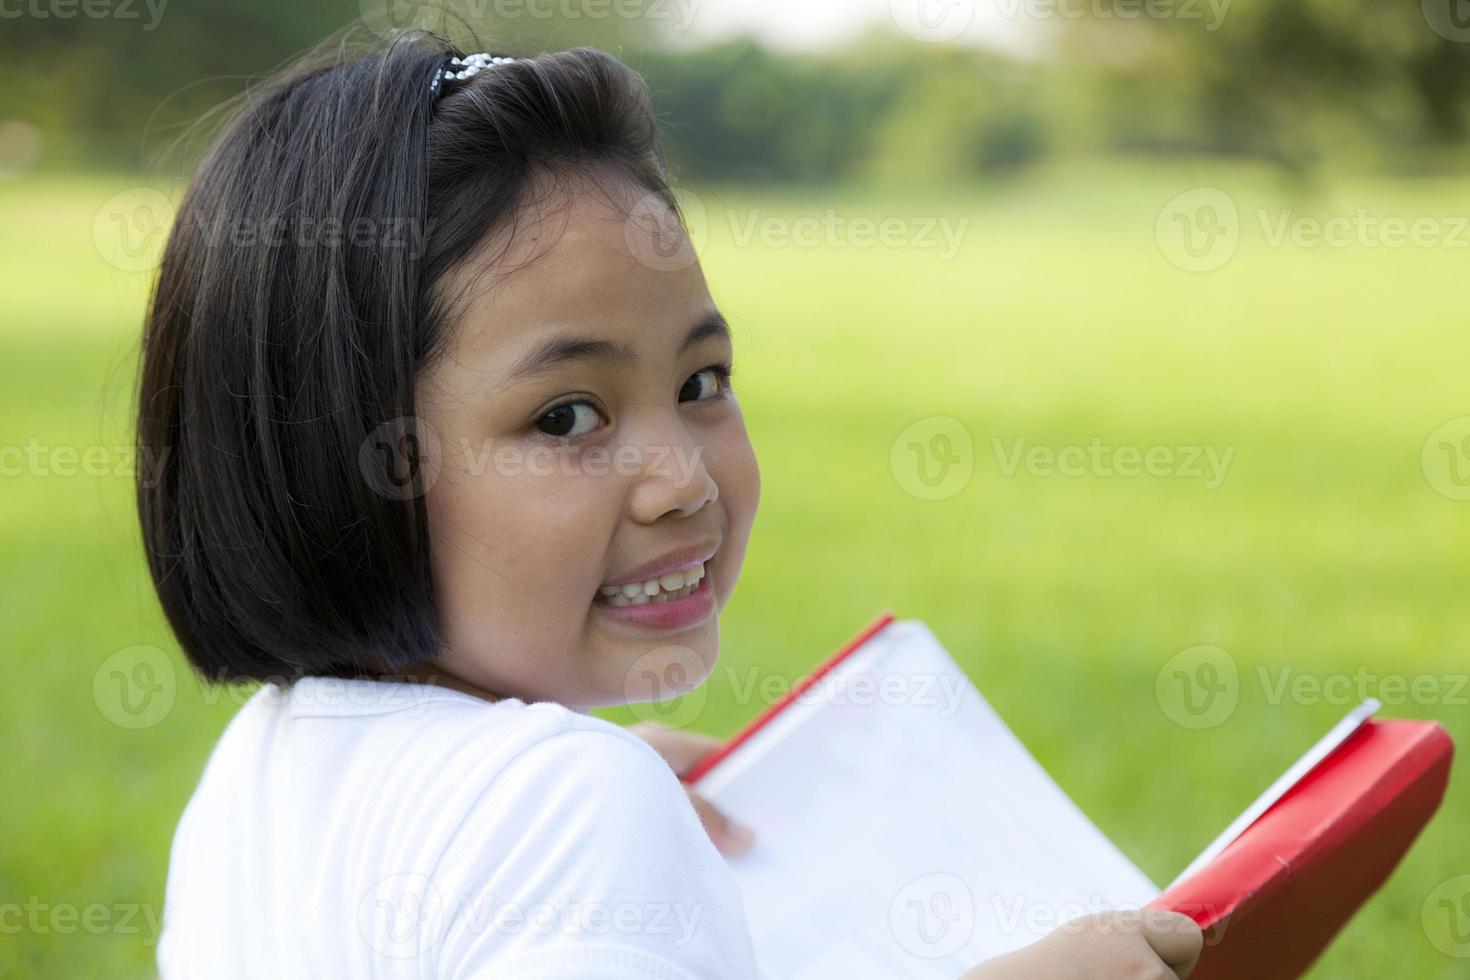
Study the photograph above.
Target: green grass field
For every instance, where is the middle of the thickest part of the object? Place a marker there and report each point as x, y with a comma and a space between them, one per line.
1324, 551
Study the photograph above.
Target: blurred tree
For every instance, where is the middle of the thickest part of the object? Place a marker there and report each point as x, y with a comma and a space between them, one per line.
120, 86
1304, 83
1296, 80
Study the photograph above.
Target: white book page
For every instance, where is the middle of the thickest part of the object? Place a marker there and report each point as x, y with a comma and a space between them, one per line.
902, 829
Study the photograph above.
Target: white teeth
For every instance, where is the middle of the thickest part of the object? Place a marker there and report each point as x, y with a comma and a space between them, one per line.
673, 585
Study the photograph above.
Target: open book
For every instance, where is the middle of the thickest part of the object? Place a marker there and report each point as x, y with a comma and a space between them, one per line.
904, 831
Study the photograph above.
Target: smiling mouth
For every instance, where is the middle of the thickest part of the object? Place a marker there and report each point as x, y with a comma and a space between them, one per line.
664, 588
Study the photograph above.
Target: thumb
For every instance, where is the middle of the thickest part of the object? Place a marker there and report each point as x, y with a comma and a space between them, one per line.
1175, 938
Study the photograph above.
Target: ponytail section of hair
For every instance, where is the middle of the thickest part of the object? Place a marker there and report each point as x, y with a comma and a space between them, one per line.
286, 529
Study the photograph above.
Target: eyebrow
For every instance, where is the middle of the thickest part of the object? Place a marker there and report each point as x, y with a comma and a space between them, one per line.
557, 352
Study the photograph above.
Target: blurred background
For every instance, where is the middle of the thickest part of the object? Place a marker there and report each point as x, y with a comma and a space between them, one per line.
1122, 341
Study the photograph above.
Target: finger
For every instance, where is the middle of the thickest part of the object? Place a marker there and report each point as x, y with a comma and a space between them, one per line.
730, 838
1175, 938
684, 749
680, 749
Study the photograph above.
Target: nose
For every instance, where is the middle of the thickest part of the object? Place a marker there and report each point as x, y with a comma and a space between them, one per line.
674, 478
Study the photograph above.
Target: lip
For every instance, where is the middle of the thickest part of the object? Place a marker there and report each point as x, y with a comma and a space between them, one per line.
676, 614
678, 560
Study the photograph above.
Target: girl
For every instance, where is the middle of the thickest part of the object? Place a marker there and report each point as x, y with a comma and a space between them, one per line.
452, 457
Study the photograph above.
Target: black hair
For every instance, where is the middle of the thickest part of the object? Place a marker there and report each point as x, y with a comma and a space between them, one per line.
293, 309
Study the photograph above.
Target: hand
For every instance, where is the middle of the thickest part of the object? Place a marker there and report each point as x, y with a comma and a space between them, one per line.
681, 750
1149, 944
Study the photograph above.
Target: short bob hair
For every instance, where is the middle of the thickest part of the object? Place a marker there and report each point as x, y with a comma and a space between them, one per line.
293, 309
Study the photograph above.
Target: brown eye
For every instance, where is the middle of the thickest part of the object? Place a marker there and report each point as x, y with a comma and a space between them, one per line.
566, 421
716, 379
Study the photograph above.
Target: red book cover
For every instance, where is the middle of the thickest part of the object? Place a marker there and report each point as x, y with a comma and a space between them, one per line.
1275, 898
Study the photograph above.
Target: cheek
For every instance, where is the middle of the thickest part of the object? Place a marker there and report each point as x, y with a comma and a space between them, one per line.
734, 468
513, 554
744, 471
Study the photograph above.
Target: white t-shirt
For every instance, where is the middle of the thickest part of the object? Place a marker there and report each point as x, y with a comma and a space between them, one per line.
362, 828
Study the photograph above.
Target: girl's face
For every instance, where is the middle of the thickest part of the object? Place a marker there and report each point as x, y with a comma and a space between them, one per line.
587, 438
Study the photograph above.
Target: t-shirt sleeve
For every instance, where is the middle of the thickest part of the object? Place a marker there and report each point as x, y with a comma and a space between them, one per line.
583, 857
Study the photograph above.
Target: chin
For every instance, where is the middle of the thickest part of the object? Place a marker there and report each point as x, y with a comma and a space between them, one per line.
664, 670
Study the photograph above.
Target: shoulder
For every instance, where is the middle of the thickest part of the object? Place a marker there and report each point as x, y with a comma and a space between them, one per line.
581, 758
395, 751
585, 800
426, 833
506, 762
579, 854
542, 770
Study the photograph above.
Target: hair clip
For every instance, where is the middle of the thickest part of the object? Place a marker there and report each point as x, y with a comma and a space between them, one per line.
467, 67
